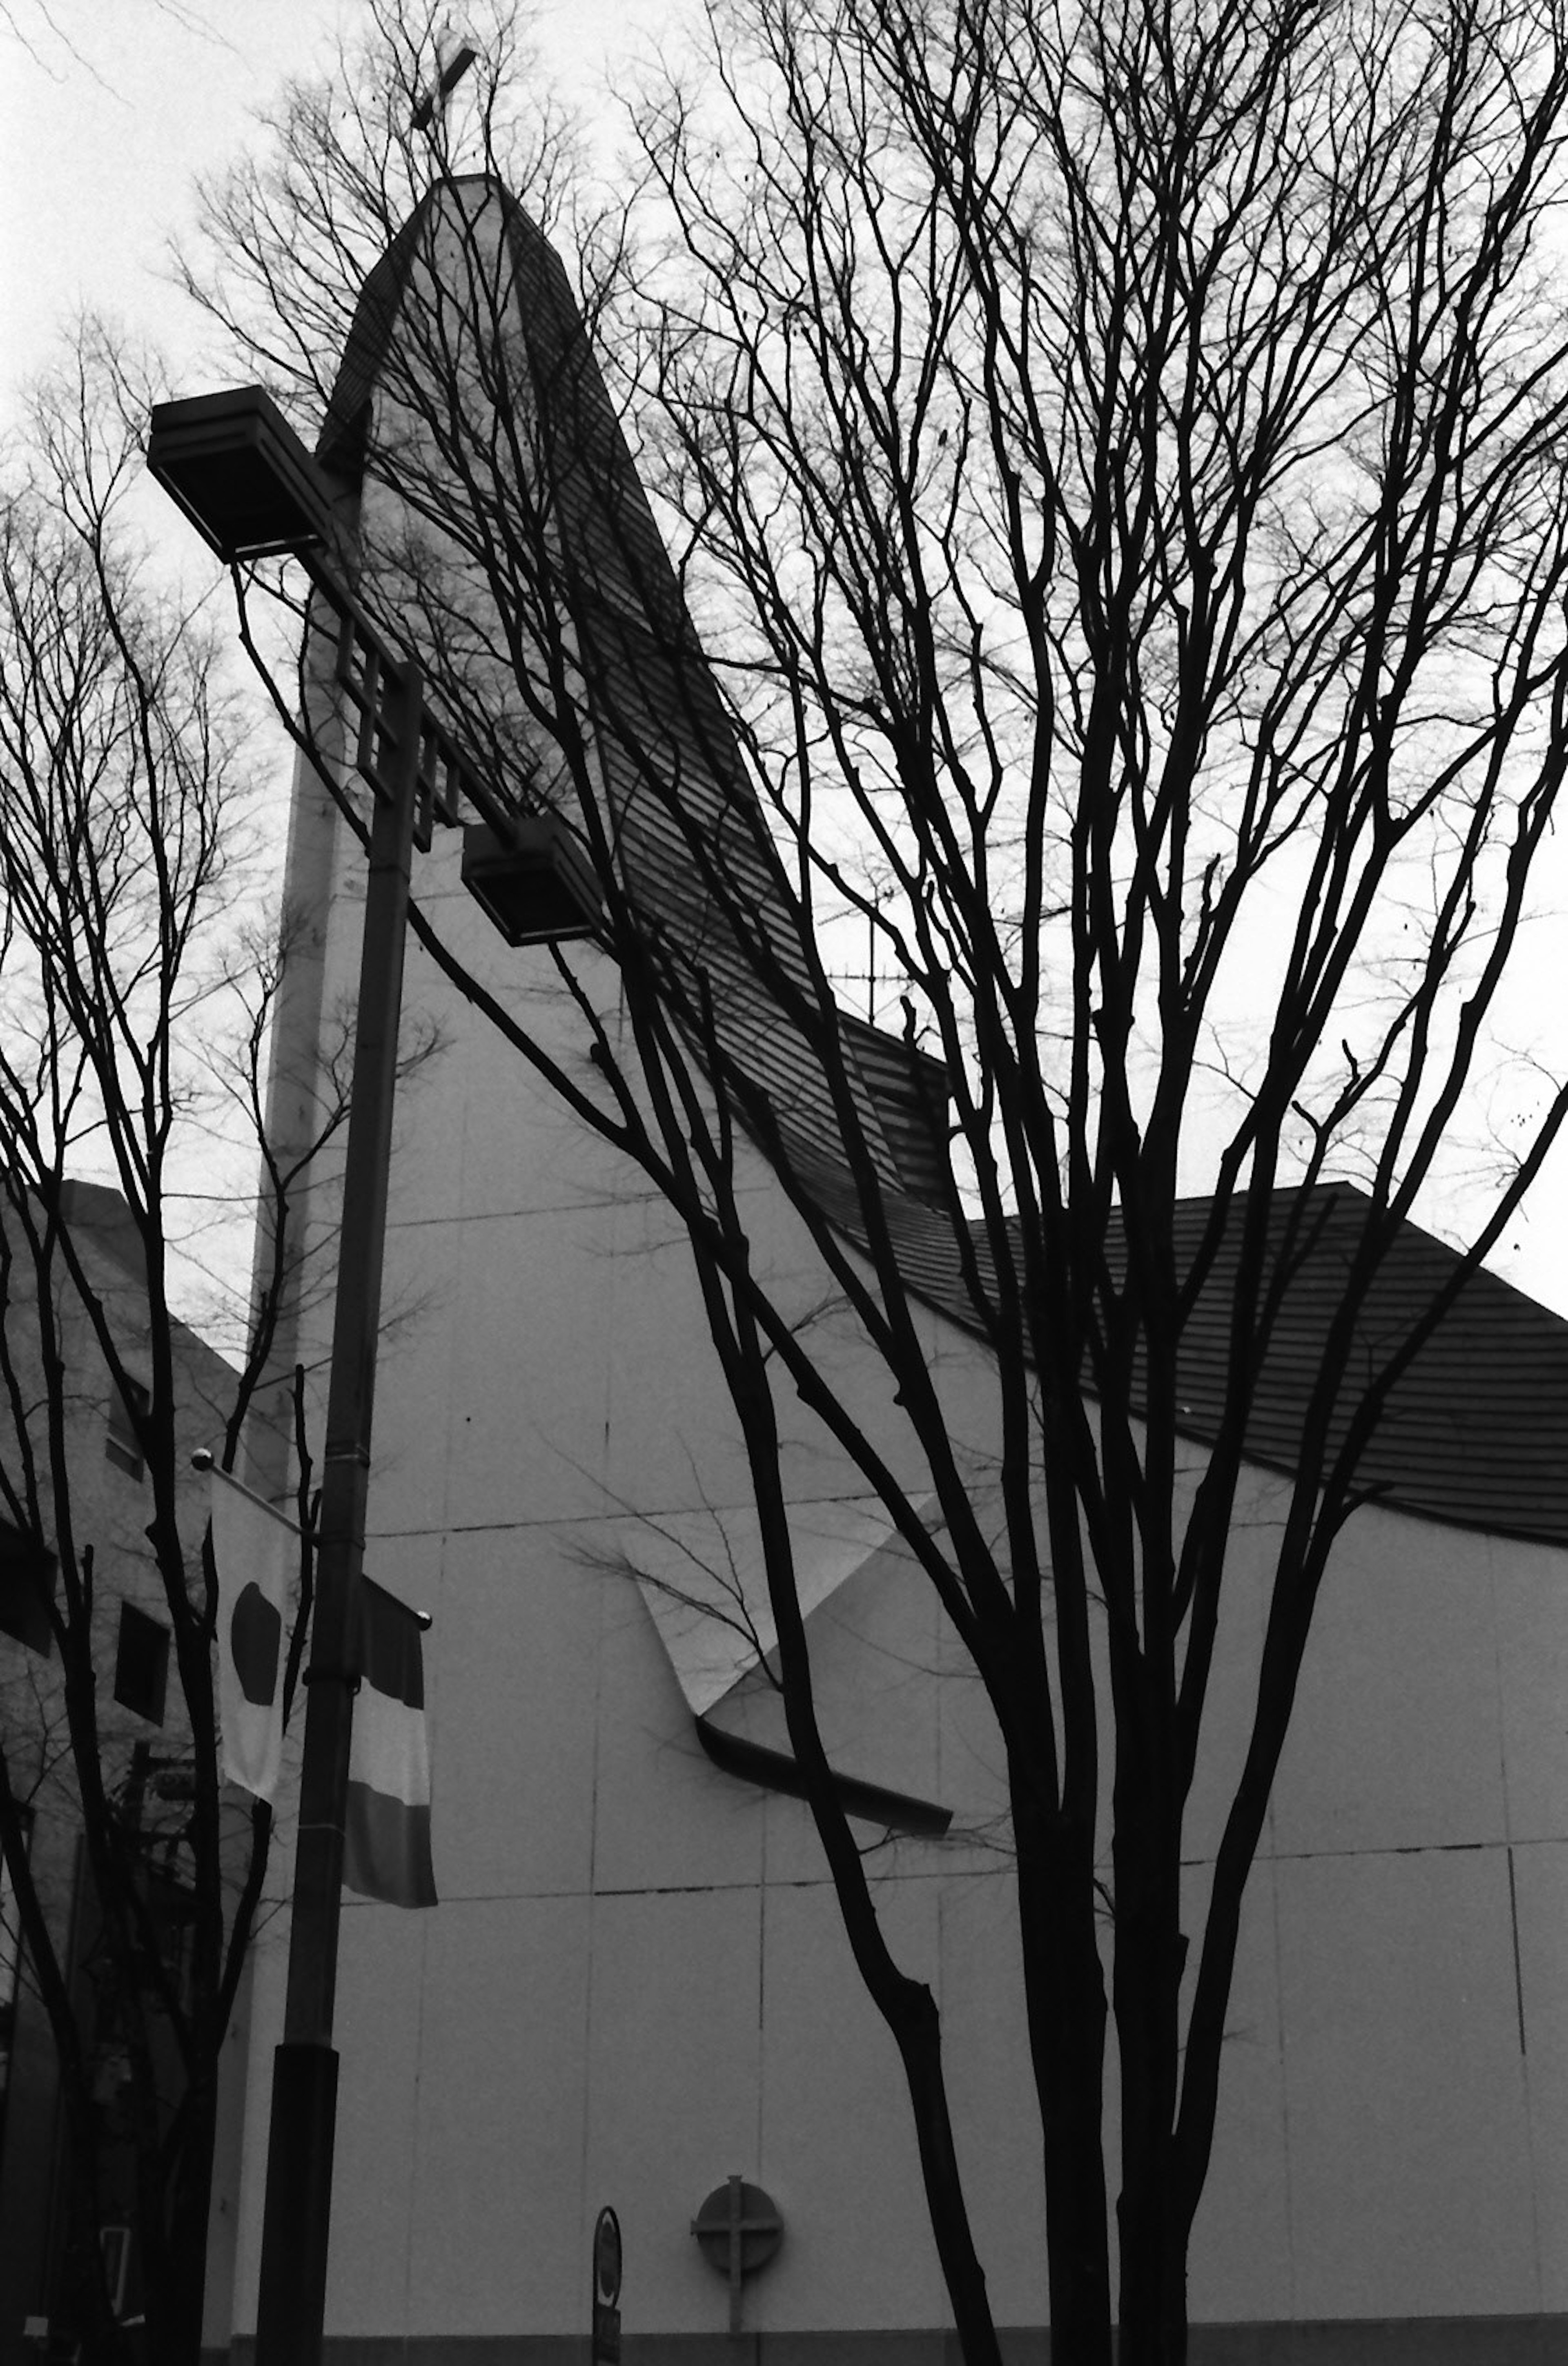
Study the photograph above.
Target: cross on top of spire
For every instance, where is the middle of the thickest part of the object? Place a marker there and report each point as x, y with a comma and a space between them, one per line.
452, 62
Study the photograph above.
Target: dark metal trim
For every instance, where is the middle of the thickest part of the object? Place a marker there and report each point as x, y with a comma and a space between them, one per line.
772, 1770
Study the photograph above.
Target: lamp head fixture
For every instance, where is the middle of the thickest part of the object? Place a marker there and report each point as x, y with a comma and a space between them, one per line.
244, 479
535, 883
243, 476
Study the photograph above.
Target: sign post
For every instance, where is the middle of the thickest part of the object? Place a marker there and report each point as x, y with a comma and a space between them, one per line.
607, 2289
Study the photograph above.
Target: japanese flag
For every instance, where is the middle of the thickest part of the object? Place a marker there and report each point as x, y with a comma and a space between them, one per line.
254, 1548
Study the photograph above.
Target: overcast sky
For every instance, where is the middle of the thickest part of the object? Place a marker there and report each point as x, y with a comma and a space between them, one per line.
109, 111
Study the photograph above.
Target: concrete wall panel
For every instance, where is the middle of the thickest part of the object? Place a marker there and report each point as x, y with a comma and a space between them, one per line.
663, 1815
674, 2086
498, 2197
1529, 1597
535, 1337
1540, 1890
371, 2277
838, 2152
1396, 1740
1408, 2155
513, 1739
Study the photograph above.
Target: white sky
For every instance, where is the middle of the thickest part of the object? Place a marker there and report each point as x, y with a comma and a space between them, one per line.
109, 111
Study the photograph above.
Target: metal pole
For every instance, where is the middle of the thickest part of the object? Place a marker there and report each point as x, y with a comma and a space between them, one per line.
292, 2301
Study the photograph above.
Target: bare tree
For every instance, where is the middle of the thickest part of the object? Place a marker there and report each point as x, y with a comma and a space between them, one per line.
1113, 456
133, 1019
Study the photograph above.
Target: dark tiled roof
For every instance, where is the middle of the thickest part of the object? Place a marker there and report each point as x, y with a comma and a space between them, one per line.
1475, 1432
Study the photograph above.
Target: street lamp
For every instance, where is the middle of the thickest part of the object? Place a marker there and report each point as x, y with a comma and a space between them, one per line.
240, 473
246, 482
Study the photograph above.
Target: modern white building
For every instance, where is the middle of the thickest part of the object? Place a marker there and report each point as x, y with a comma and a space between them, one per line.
636, 1988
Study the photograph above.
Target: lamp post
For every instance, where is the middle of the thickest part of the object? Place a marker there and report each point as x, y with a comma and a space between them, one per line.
247, 483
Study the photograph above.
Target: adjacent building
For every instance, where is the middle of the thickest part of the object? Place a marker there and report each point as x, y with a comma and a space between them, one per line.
146, 1751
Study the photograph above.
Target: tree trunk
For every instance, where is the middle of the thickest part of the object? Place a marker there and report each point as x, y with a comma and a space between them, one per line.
1064, 1990
1150, 1955
1153, 2282
919, 2034
79, 2274
175, 2202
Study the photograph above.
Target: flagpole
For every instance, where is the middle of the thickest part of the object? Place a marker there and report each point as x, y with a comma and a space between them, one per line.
204, 1459
292, 2300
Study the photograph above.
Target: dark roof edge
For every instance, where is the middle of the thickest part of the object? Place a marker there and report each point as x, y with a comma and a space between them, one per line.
1545, 1533
773, 1770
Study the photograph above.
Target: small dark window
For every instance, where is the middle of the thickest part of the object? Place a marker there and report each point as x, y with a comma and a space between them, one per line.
122, 1445
142, 1663
27, 1588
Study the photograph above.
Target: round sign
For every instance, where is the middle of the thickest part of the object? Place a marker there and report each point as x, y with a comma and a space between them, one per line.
737, 2228
607, 2259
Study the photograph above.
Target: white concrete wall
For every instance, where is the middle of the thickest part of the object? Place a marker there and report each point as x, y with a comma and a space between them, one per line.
1405, 1999
636, 1983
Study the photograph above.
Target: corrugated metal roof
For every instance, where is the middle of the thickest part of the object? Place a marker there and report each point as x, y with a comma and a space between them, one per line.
1475, 1432
682, 809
